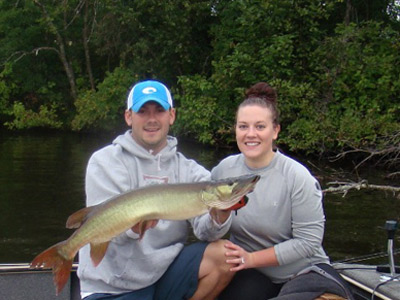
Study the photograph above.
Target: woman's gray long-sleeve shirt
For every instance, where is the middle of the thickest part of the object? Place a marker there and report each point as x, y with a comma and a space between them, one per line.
284, 211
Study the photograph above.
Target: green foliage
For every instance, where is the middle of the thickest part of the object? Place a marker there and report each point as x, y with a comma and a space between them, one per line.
200, 114
258, 41
162, 38
30, 77
335, 65
359, 80
300, 117
24, 118
103, 109
351, 101
336, 91
5, 91
264, 40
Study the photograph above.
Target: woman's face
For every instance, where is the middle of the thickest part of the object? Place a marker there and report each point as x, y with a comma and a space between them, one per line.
255, 134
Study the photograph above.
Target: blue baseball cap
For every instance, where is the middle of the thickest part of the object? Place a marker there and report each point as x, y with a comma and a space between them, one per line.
149, 90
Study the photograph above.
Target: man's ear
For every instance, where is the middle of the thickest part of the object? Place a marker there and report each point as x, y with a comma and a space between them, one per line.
172, 113
128, 117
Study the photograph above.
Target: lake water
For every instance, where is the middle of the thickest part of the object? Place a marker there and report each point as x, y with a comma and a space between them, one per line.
42, 183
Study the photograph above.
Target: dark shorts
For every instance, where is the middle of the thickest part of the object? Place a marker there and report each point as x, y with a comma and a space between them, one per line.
181, 278
251, 284
178, 282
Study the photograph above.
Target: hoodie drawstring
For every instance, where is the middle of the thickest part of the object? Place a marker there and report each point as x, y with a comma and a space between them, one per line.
159, 162
158, 156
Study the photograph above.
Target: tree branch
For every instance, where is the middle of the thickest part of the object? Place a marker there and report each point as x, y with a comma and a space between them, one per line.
394, 174
389, 154
344, 187
21, 54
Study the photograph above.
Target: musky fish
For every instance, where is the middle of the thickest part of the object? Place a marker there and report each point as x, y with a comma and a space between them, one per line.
98, 224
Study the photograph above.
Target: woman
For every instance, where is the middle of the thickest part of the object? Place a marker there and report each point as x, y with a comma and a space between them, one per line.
279, 233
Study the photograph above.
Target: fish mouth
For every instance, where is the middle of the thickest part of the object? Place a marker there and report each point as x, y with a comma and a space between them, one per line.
244, 184
248, 184
229, 191
254, 181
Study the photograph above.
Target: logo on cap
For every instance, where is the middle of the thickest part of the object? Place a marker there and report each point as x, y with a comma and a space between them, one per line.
149, 90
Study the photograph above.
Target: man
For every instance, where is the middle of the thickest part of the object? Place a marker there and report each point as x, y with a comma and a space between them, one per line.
157, 266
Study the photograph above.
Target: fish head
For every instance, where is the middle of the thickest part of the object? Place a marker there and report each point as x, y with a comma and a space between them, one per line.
223, 194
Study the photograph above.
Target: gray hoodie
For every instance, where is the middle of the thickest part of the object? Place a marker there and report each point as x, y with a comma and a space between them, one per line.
131, 264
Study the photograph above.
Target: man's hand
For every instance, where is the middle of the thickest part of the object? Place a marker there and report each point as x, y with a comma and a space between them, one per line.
141, 227
220, 216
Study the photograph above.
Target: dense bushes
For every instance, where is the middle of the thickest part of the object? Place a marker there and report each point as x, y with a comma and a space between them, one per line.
335, 65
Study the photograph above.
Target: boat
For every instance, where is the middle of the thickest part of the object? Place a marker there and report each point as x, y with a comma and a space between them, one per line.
370, 282
367, 282
19, 282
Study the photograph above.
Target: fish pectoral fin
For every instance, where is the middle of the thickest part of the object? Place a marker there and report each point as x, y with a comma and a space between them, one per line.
77, 218
97, 252
143, 226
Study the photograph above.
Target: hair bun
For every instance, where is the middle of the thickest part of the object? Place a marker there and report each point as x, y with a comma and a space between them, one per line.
262, 90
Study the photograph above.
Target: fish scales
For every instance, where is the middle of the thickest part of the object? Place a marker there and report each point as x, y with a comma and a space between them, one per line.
136, 206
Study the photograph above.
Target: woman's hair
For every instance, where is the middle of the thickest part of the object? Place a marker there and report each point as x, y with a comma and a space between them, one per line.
262, 94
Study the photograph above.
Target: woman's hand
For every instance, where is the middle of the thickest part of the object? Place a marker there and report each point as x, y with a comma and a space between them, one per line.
238, 257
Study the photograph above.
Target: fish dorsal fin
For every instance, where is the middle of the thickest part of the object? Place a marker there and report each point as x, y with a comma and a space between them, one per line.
77, 218
97, 252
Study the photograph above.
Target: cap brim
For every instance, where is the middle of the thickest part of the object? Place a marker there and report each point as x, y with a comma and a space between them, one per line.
144, 100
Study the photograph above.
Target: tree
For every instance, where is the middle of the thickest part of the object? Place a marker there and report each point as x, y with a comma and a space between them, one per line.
149, 39
103, 109
162, 39
256, 41
91, 38
360, 85
24, 75
61, 50
338, 84
85, 39
335, 65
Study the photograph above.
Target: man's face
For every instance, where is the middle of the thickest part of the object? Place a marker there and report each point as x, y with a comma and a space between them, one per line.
150, 125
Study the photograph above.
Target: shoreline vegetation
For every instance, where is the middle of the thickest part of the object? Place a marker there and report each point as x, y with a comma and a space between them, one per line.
334, 64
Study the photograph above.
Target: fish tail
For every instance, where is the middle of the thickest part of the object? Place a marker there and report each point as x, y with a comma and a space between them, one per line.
52, 259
